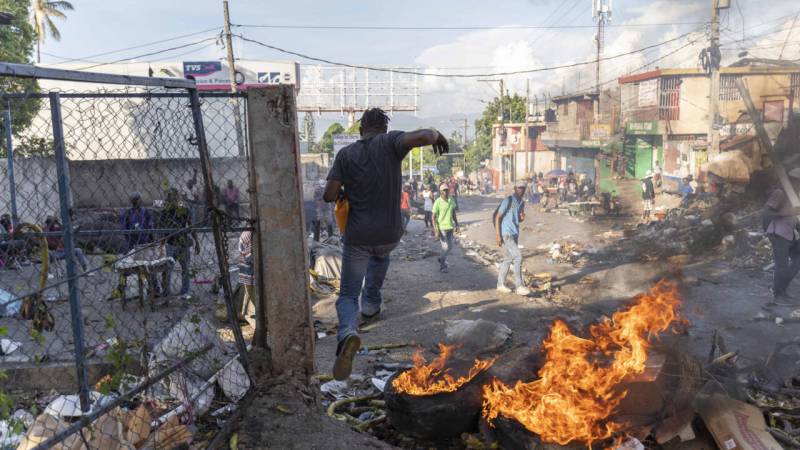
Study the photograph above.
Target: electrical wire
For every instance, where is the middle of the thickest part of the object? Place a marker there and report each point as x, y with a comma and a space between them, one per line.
789, 34
465, 28
453, 75
150, 53
111, 52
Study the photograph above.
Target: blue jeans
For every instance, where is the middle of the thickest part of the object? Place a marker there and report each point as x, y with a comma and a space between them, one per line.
363, 271
181, 255
512, 256
446, 239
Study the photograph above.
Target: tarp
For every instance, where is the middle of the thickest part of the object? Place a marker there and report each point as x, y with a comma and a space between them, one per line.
733, 167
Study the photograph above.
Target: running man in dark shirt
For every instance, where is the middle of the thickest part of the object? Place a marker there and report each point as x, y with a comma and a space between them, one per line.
370, 173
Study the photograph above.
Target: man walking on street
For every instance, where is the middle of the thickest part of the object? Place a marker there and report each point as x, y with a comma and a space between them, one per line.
370, 171
648, 195
506, 224
445, 223
405, 206
427, 197
780, 223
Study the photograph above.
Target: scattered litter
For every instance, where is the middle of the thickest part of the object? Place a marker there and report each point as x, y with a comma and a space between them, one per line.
379, 384
630, 444
68, 405
9, 304
7, 346
734, 424
778, 320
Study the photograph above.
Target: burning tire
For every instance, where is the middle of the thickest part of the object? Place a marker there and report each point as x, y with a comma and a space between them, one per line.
437, 416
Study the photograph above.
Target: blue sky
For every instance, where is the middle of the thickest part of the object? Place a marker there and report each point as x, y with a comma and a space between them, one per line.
101, 26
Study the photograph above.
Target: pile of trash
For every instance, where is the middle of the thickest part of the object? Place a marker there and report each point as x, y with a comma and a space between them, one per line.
566, 252
166, 414
480, 254
683, 231
418, 248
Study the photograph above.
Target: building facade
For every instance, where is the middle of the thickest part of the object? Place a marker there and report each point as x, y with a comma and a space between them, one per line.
666, 121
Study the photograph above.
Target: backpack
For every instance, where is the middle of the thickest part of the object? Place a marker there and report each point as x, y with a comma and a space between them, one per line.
503, 215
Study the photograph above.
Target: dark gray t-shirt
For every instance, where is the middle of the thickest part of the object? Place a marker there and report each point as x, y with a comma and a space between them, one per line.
370, 171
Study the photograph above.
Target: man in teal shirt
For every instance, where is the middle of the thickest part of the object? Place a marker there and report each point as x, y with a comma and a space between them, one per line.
506, 224
444, 223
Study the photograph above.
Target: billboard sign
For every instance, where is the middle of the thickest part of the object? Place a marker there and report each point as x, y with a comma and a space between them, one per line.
642, 128
214, 75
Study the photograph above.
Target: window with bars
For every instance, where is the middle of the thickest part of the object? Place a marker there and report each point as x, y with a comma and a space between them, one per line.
669, 99
728, 91
795, 86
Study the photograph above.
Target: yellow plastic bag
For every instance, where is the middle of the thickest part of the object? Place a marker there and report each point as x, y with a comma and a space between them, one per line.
341, 210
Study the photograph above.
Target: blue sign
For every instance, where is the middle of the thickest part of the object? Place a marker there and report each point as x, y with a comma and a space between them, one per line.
201, 68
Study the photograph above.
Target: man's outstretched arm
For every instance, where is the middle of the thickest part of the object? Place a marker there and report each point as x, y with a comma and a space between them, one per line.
421, 138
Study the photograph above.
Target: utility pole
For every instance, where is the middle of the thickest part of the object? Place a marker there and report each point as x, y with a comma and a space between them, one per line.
502, 121
527, 114
601, 12
714, 58
232, 74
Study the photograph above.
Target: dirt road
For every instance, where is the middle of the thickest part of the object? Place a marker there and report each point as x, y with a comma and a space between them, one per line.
419, 299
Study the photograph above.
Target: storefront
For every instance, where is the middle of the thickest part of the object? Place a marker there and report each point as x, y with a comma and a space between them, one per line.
643, 148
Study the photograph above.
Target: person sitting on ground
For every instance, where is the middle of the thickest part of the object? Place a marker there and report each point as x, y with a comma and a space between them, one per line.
176, 218
55, 245
445, 223
780, 224
509, 215
687, 193
370, 171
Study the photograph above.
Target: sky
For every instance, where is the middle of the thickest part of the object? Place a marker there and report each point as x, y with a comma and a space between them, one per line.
499, 43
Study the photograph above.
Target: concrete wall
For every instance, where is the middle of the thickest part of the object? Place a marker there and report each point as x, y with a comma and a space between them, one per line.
37, 191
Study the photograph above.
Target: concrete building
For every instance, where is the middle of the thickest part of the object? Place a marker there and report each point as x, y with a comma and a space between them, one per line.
517, 151
577, 128
665, 115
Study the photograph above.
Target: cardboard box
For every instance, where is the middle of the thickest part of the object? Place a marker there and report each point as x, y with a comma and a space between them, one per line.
735, 425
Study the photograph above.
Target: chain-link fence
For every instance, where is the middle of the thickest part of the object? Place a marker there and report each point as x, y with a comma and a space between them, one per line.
118, 262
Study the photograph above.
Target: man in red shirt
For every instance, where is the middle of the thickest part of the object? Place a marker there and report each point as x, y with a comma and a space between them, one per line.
405, 205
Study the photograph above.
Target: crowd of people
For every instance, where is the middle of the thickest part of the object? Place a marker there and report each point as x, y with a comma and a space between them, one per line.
149, 234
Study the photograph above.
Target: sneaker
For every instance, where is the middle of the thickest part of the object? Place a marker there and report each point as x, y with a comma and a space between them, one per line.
523, 291
503, 289
443, 269
344, 360
369, 319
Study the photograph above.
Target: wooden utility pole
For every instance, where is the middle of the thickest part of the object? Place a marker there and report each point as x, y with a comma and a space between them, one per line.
232, 74
283, 261
713, 96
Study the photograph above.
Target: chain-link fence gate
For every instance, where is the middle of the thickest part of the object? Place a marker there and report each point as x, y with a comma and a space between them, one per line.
124, 209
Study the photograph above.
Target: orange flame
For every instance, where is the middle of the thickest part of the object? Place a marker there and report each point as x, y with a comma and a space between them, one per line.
575, 393
433, 378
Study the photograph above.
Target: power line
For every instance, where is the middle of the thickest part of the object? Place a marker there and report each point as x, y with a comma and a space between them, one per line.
149, 54
789, 34
453, 75
111, 52
464, 28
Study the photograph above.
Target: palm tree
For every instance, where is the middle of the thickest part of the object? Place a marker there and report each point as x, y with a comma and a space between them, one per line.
43, 13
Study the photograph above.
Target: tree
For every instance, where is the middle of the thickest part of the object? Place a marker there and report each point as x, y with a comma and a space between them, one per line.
16, 46
326, 143
43, 13
514, 110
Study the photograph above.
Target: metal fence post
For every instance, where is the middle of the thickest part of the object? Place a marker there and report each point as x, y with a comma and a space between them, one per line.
216, 224
65, 197
12, 185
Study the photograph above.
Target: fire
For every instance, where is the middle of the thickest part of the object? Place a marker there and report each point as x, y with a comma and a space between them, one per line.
433, 378
575, 393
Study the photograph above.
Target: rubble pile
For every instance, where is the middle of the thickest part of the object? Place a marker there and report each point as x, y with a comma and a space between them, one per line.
566, 252
171, 413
